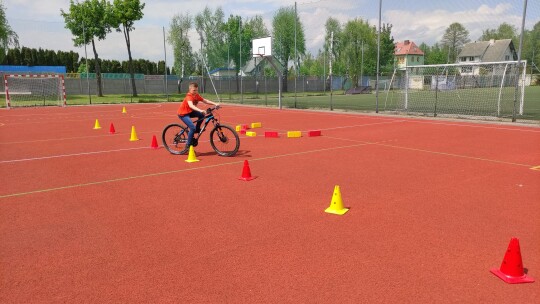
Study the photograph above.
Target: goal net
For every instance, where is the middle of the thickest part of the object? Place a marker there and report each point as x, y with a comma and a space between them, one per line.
466, 89
25, 90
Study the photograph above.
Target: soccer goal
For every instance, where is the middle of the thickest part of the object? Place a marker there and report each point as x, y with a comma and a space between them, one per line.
466, 89
24, 90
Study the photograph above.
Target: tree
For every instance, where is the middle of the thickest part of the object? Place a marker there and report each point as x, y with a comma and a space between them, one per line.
125, 13
359, 46
7, 36
504, 31
387, 47
257, 27
312, 66
531, 48
434, 54
454, 38
334, 26
87, 21
178, 38
235, 40
284, 23
238, 37
209, 26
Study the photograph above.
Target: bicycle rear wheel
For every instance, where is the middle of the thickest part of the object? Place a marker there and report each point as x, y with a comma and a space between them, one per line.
174, 139
224, 140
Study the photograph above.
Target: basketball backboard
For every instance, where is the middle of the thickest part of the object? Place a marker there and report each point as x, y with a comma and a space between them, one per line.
262, 47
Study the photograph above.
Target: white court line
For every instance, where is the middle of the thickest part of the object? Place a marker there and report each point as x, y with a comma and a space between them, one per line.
516, 128
365, 125
345, 127
464, 123
145, 107
172, 172
69, 155
80, 137
133, 177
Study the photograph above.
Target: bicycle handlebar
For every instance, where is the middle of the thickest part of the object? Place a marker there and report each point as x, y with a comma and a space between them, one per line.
209, 110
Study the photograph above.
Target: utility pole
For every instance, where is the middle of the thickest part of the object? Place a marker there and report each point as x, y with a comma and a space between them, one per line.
165, 72
295, 55
240, 60
330, 68
378, 61
519, 60
86, 58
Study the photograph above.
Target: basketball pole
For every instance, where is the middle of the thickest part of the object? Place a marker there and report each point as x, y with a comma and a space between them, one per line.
378, 61
280, 76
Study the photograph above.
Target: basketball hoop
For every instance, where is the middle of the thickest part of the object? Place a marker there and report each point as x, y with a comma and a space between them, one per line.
261, 47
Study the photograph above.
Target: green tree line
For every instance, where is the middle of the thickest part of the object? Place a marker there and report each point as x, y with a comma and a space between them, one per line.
351, 46
76, 64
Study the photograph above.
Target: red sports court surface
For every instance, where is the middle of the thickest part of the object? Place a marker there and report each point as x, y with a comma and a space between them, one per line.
90, 217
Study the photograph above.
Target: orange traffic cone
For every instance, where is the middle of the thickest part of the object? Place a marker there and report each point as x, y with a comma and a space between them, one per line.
111, 129
246, 173
154, 144
511, 270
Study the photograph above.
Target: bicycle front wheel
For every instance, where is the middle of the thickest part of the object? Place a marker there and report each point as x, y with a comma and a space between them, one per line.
174, 139
224, 140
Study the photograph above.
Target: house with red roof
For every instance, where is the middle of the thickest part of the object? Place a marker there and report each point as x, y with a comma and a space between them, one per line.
407, 53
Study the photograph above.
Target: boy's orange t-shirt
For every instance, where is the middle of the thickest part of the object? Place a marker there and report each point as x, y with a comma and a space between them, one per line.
184, 108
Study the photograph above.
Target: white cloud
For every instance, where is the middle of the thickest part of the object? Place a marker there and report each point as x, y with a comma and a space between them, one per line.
429, 26
39, 24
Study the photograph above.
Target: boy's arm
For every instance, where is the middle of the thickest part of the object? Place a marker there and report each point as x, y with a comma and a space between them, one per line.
207, 101
194, 108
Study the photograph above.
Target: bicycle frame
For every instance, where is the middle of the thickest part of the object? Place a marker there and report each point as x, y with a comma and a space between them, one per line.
223, 139
209, 117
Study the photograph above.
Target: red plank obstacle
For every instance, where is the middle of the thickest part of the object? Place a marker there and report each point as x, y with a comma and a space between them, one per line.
314, 133
271, 134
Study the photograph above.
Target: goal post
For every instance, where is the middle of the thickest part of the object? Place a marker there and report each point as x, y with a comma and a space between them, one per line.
23, 90
465, 89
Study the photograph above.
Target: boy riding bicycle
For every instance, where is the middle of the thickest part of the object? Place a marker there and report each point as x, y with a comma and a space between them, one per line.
188, 109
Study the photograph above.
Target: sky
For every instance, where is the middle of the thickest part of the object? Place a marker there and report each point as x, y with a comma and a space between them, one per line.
38, 23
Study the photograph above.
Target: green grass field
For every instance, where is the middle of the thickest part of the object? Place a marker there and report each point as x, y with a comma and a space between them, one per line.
454, 102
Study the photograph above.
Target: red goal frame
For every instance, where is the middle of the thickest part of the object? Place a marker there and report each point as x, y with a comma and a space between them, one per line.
60, 76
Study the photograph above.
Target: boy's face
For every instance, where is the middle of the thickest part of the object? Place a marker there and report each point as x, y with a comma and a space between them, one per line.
193, 89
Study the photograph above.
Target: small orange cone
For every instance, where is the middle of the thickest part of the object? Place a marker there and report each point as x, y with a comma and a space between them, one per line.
336, 205
111, 129
246, 173
124, 110
511, 270
133, 134
154, 144
96, 125
192, 157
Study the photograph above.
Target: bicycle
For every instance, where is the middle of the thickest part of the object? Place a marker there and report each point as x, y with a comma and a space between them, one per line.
223, 139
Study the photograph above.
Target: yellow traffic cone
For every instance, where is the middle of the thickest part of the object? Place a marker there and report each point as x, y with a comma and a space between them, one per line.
124, 110
133, 134
192, 157
96, 125
336, 205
